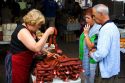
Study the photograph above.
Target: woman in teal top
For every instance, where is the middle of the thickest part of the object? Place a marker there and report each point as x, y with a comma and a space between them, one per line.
88, 41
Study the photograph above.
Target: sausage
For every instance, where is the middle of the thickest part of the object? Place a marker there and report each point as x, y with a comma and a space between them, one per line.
45, 66
55, 32
50, 40
59, 51
69, 59
40, 72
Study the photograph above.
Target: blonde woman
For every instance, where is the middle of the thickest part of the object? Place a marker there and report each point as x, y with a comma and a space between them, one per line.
23, 45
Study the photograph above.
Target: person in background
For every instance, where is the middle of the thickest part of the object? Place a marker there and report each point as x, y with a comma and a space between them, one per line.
50, 8
6, 14
24, 44
108, 46
15, 11
76, 10
88, 40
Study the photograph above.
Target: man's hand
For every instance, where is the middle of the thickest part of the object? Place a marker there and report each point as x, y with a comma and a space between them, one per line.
91, 52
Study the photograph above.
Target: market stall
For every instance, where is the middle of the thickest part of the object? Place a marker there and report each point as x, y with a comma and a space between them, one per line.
67, 25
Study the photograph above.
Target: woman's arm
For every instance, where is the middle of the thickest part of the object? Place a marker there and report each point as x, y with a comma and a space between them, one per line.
87, 39
27, 39
88, 42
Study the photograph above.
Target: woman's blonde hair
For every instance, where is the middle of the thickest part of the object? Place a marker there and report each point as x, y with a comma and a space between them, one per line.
34, 17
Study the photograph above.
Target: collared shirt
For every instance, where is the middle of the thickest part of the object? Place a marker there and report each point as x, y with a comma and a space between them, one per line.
108, 50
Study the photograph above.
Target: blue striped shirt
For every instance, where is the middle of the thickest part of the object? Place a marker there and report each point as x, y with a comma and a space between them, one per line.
108, 50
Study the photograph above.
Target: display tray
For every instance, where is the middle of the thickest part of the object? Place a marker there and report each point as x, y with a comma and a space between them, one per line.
57, 80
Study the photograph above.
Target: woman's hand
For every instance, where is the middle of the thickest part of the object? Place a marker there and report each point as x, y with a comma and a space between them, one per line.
50, 30
49, 54
86, 29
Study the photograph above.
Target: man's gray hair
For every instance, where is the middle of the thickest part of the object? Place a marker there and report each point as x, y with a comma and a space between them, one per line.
102, 8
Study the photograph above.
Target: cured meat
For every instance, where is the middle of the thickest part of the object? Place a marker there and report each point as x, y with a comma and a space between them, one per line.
52, 40
63, 67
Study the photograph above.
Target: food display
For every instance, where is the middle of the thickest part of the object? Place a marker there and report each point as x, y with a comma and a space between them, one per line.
52, 40
122, 42
59, 65
62, 67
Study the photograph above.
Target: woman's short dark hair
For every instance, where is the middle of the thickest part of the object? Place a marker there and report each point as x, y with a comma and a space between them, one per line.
88, 11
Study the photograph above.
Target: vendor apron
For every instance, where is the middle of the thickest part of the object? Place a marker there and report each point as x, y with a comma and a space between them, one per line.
21, 65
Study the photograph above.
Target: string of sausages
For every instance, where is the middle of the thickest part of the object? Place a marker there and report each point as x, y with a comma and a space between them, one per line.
52, 40
62, 67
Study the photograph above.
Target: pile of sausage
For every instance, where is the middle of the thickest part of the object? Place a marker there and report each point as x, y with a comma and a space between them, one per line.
44, 73
69, 68
62, 67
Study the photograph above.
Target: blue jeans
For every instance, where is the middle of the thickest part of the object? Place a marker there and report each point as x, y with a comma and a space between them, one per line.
8, 68
86, 65
90, 78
